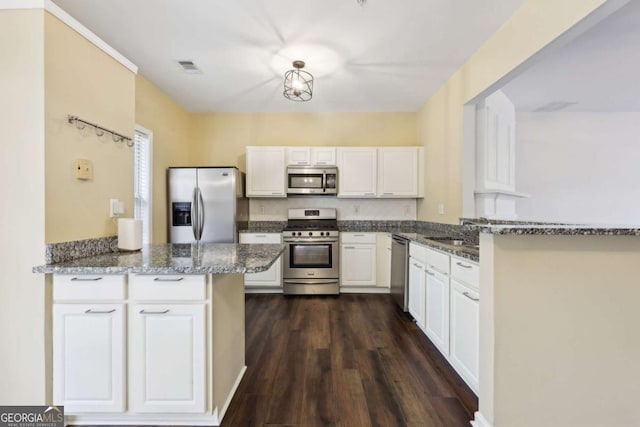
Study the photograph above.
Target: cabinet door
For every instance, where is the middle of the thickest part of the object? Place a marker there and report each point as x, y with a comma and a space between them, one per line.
398, 172
465, 317
383, 248
298, 156
323, 156
357, 170
273, 276
168, 358
266, 172
88, 357
417, 298
358, 265
437, 311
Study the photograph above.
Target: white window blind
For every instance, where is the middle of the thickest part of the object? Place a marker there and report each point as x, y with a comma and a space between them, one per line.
142, 182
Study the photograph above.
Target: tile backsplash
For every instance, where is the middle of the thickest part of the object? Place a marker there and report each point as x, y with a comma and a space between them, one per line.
348, 209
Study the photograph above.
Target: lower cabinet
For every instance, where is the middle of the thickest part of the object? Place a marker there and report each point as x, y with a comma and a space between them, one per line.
417, 292
437, 307
89, 357
358, 259
272, 278
465, 331
168, 358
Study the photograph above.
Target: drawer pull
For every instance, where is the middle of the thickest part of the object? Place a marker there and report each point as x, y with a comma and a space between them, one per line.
84, 279
390, 194
369, 194
349, 247
463, 265
466, 294
358, 235
160, 279
99, 312
154, 312
276, 193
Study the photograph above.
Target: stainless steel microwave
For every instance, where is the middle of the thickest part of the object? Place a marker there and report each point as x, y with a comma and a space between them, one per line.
312, 180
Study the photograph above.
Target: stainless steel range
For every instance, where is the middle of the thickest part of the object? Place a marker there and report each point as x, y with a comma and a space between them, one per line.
312, 257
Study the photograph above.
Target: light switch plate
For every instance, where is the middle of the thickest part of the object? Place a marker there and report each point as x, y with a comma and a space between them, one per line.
83, 169
116, 208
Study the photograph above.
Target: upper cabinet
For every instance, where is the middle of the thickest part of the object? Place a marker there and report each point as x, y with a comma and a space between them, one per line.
311, 156
266, 172
392, 172
398, 171
357, 171
363, 172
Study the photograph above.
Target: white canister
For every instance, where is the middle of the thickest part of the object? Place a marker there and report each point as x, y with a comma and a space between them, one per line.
129, 234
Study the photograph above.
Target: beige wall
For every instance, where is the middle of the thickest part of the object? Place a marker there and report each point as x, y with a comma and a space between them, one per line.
223, 137
440, 121
22, 219
172, 144
564, 313
82, 80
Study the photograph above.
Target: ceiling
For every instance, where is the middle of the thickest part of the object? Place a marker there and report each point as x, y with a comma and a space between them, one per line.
598, 71
383, 56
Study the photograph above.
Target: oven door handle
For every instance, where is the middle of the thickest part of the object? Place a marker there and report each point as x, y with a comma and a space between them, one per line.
311, 241
324, 181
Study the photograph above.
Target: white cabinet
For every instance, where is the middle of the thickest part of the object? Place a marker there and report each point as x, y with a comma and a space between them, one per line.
89, 357
358, 259
272, 278
465, 312
383, 249
323, 156
465, 319
437, 316
168, 363
89, 369
398, 171
357, 170
266, 172
311, 156
417, 291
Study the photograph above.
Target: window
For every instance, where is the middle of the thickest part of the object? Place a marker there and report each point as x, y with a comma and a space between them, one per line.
143, 168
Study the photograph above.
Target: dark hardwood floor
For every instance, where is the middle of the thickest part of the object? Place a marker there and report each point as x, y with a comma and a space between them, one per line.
348, 361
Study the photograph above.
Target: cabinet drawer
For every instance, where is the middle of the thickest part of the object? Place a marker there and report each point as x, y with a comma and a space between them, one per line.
164, 287
465, 271
418, 252
260, 237
438, 260
84, 287
358, 237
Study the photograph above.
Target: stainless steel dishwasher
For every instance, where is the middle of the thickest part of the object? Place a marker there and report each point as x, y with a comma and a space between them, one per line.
399, 279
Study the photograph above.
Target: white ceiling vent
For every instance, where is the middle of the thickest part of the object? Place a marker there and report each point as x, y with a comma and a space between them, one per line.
189, 67
554, 106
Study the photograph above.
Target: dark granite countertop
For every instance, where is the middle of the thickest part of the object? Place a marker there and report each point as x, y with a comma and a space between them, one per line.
466, 252
559, 230
215, 258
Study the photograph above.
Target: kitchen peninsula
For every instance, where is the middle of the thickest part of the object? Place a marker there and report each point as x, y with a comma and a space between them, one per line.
152, 337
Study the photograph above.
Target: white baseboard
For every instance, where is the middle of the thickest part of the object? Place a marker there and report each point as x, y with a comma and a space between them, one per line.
231, 394
262, 290
363, 290
480, 421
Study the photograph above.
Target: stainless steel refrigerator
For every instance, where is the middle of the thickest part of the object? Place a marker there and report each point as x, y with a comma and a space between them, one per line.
206, 204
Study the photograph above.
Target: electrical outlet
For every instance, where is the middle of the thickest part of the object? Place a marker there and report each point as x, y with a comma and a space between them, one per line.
116, 208
261, 209
441, 209
356, 209
407, 210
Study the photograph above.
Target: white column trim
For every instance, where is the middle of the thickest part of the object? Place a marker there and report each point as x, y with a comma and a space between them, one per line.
73, 23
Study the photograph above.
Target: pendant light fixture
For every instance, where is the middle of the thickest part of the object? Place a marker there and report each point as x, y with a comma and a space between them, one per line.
298, 84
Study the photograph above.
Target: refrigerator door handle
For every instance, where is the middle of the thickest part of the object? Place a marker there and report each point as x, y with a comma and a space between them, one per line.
194, 213
201, 215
